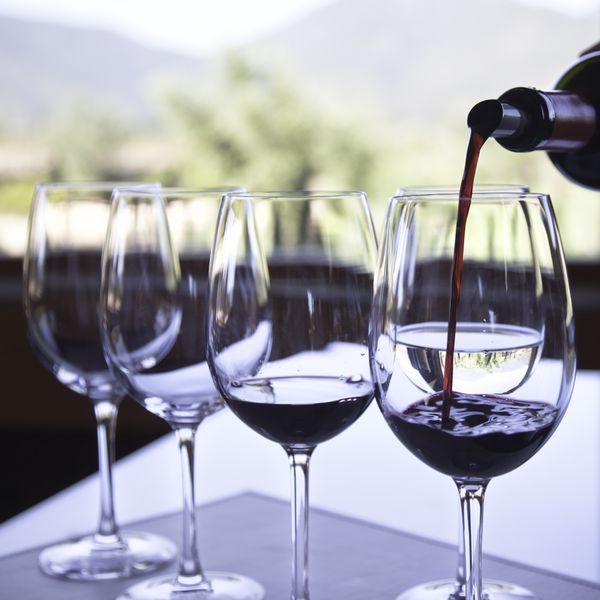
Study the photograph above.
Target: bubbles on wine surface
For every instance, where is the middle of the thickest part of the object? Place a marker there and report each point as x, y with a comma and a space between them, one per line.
482, 415
488, 359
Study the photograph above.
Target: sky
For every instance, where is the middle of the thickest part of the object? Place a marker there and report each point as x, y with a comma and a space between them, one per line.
200, 27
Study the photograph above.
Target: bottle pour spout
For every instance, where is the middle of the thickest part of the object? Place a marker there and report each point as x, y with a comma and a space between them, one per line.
497, 119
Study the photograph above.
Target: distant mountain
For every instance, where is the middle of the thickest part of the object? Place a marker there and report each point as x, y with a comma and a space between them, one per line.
43, 66
426, 58
402, 58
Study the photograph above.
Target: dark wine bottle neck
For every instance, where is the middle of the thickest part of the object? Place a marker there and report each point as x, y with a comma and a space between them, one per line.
526, 119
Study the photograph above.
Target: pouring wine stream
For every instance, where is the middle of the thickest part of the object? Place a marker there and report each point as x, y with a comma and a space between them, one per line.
483, 120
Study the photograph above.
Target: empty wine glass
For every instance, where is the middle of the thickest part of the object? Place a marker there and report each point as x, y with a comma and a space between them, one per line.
67, 226
455, 588
485, 407
154, 290
291, 284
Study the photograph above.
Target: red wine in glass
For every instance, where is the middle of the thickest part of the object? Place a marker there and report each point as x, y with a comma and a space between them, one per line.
475, 391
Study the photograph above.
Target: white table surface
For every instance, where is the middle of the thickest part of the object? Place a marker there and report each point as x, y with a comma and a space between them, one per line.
545, 514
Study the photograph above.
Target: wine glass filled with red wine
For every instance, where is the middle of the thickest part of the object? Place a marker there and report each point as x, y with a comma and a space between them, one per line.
290, 299
472, 344
443, 589
153, 317
61, 292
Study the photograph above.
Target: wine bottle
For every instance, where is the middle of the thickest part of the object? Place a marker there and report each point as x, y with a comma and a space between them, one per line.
564, 121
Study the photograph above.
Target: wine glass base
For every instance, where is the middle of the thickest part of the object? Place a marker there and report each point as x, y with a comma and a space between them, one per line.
446, 590
216, 586
90, 558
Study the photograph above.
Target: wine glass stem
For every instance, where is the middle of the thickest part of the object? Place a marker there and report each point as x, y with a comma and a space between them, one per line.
471, 503
299, 460
459, 582
106, 420
190, 570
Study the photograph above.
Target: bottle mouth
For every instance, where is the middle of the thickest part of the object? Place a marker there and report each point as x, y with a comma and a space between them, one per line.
519, 119
497, 119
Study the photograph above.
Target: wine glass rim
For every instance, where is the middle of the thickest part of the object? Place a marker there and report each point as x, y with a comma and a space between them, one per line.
91, 185
297, 194
176, 191
414, 190
479, 196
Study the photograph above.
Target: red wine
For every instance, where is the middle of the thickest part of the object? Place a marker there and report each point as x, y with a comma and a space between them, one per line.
482, 437
480, 130
306, 381
476, 141
299, 411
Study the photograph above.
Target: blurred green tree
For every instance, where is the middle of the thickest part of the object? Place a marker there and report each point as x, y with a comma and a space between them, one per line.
257, 130
83, 144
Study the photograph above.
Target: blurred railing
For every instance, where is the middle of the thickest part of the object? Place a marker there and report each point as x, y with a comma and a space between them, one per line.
51, 429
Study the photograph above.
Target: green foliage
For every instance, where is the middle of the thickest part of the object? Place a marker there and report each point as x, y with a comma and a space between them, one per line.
256, 130
83, 145
15, 196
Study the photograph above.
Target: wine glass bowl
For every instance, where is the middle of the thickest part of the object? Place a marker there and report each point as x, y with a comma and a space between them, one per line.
484, 405
152, 312
62, 283
159, 284
291, 284
67, 226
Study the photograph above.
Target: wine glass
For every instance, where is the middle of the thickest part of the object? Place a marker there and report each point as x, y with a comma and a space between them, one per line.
67, 226
291, 285
152, 312
455, 588
484, 408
